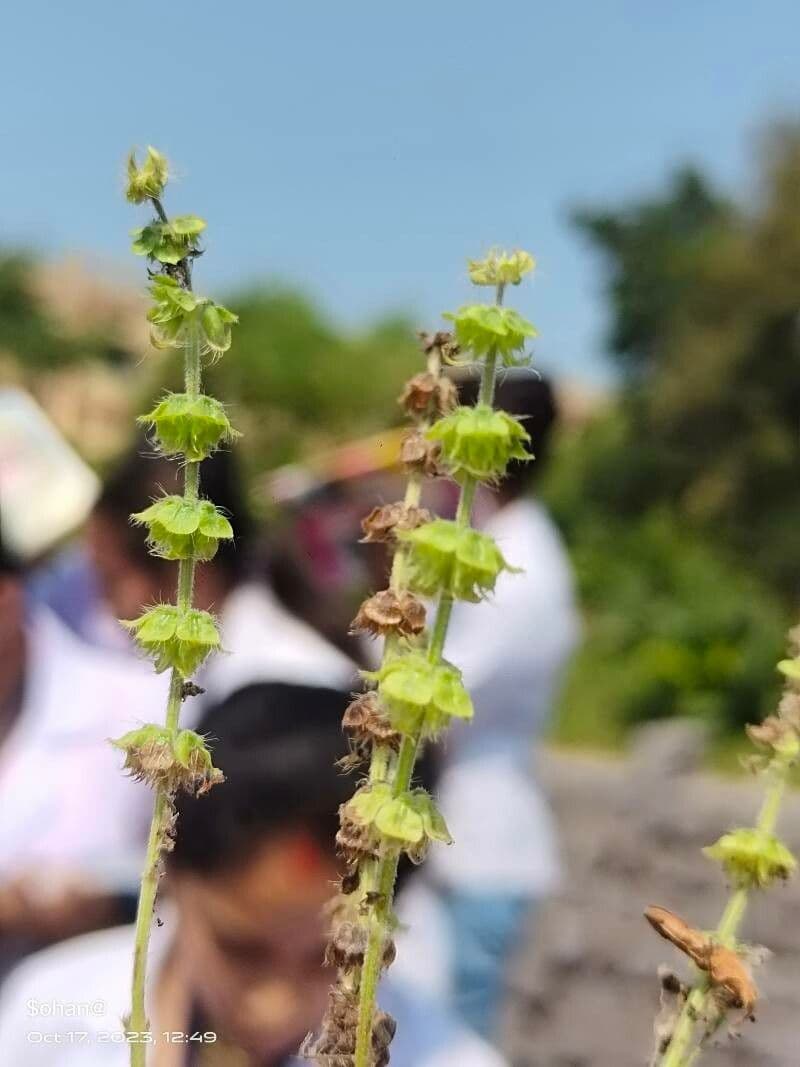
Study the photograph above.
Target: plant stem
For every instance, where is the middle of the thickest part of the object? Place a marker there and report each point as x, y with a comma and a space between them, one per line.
680, 1052
161, 824
382, 875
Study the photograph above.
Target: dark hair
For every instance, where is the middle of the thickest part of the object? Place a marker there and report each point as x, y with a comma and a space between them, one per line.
141, 475
277, 745
529, 396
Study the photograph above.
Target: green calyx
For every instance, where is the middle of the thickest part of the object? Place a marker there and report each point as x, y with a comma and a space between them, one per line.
178, 314
420, 695
168, 242
752, 859
184, 529
168, 759
444, 556
501, 268
484, 328
190, 425
408, 820
175, 639
146, 182
790, 668
480, 441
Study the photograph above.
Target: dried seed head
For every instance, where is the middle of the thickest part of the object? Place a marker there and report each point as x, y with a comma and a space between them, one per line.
180, 761
777, 734
427, 395
419, 454
346, 947
354, 842
366, 722
388, 612
384, 521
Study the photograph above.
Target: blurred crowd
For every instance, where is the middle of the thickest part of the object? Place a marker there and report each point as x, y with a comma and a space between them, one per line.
241, 930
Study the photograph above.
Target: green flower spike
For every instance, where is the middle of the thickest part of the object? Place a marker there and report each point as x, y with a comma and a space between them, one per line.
184, 529
192, 426
409, 819
447, 557
501, 268
173, 639
480, 441
483, 328
146, 182
752, 858
168, 242
422, 695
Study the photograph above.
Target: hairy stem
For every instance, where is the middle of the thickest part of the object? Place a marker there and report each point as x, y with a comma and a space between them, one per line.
161, 824
382, 875
682, 1050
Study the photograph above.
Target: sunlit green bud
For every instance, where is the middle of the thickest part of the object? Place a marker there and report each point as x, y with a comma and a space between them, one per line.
422, 695
147, 181
752, 858
192, 426
790, 668
175, 639
447, 557
168, 242
480, 441
501, 268
216, 321
184, 529
484, 328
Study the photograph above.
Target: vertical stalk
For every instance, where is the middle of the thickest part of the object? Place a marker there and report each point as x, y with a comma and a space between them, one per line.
383, 874
681, 1051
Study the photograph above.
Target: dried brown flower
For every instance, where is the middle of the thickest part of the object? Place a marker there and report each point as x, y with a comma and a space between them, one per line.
427, 394
388, 612
366, 721
419, 454
384, 520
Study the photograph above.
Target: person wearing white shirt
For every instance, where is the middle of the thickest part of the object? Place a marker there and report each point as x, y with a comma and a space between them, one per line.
475, 896
235, 974
70, 826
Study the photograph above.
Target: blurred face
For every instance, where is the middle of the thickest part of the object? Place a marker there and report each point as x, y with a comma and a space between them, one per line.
11, 615
125, 585
251, 943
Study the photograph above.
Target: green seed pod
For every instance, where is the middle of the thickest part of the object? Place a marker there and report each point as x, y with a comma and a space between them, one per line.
192, 426
167, 242
173, 639
422, 695
184, 529
480, 441
410, 818
752, 858
500, 268
147, 181
447, 557
484, 328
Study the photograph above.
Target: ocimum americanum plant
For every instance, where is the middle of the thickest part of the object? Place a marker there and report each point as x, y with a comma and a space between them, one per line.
753, 859
416, 692
186, 427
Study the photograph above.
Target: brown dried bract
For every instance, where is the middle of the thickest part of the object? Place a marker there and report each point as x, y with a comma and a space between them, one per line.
337, 1040
419, 454
427, 394
388, 612
772, 732
789, 709
723, 966
354, 842
366, 721
442, 342
385, 520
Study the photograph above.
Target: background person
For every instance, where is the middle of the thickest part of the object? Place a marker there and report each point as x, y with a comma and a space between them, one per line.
239, 954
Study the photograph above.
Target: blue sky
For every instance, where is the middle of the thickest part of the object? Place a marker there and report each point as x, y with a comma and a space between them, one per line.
363, 151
